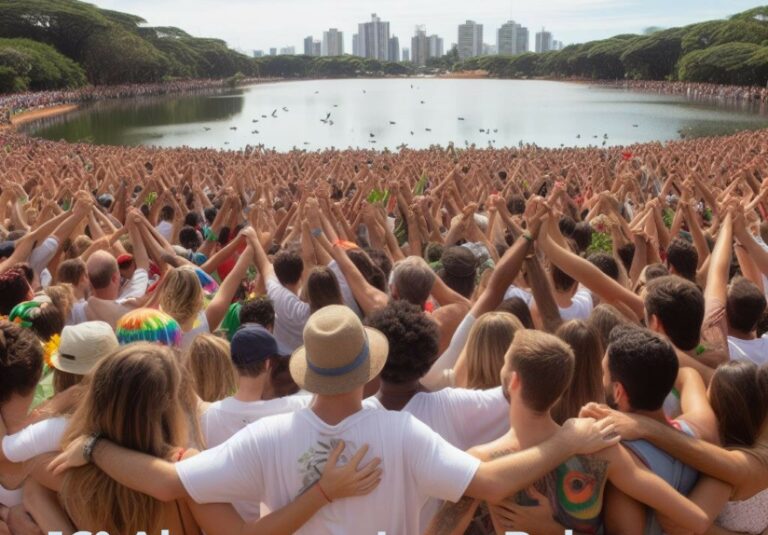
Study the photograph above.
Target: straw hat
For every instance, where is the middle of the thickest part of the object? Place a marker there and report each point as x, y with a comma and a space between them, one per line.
339, 354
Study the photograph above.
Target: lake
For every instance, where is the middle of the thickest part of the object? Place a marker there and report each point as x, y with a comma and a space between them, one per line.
387, 113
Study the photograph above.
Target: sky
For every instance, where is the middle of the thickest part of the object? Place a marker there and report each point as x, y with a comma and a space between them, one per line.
249, 25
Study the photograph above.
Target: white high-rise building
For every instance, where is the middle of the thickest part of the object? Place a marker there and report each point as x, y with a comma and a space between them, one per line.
373, 39
419, 47
470, 39
258, 53
435, 46
543, 41
406, 55
512, 39
273, 52
288, 51
394, 48
309, 44
557, 45
333, 43
355, 45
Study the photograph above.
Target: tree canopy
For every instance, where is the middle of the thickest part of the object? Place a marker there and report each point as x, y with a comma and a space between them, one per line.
730, 51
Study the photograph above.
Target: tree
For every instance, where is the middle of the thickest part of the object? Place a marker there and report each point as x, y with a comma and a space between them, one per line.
733, 63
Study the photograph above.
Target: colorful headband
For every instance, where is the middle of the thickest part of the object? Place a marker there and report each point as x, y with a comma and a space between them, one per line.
148, 325
24, 313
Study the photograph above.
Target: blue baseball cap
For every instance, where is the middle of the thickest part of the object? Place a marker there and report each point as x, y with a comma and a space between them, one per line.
253, 343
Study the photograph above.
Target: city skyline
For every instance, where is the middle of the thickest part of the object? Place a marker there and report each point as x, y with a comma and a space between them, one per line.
570, 21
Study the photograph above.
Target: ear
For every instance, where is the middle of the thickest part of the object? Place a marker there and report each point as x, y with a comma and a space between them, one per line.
514, 382
620, 395
655, 325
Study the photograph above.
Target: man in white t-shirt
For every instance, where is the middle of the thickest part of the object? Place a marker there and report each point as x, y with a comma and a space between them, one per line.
276, 459
253, 351
745, 305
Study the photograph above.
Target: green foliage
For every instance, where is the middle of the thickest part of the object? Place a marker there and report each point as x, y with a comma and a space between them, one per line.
601, 243
734, 63
36, 66
328, 67
727, 51
115, 47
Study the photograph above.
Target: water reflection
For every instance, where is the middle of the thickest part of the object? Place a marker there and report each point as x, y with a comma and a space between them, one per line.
389, 113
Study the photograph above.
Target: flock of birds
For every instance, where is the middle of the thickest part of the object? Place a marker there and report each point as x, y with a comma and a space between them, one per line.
327, 120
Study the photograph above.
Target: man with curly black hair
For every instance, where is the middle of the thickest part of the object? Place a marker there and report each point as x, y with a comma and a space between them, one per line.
412, 337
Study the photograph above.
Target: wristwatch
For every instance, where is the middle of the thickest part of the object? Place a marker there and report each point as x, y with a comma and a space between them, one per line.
89, 445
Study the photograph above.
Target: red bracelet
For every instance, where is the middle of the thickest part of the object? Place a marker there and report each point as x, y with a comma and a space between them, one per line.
320, 488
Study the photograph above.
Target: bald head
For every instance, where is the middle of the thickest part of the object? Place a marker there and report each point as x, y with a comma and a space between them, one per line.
102, 270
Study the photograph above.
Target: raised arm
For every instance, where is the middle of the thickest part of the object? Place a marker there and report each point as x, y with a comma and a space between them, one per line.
219, 305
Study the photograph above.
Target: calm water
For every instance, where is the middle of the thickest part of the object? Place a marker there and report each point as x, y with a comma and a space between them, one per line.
388, 113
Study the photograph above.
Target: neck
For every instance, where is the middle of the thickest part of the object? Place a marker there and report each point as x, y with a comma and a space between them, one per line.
530, 427
396, 396
107, 294
742, 335
250, 388
563, 299
337, 408
14, 412
294, 288
657, 415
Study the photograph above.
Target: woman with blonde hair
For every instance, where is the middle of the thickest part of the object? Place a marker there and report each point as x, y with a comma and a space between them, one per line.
133, 401
479, 365
208, 361
181, 296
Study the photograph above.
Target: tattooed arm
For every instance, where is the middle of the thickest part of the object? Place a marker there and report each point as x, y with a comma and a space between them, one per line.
455, 518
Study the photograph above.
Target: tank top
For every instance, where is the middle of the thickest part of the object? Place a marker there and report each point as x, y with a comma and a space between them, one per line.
680, 476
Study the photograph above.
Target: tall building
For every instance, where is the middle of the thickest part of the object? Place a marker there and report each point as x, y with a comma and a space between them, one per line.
419, 47
273, 52
406, 55
512, 39
309, 46
288, 51
470, 39
489, 50
394, 48
356, 45
557, 45
258, 53
435, 46
543, 41
333, 43
373, 39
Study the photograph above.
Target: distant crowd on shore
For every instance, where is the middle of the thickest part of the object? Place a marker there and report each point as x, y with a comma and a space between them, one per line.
20, 102
694, 90
436, 341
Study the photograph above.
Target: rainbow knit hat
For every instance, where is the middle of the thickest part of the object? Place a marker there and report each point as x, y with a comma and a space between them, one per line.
148, 325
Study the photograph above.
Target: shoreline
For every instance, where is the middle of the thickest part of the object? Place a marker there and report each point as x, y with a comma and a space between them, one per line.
29, 116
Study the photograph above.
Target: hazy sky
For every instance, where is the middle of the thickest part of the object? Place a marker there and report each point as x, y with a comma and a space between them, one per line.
261, 24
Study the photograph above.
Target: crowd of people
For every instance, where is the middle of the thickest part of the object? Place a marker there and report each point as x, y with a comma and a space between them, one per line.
433, 341
14, 103
696, 90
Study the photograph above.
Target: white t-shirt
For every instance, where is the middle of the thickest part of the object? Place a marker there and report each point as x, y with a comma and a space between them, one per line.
465, 418
581, 306
201, 327
224, 418
291, 314
441, 374
41, 255
753, 350
165, 229
11, 498
277, 458
516, 291
41, 437
136, 287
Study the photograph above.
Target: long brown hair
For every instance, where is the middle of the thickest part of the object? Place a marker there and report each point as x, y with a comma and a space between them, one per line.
133, 401
587, 382
738, 394
488, 342
209, 364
